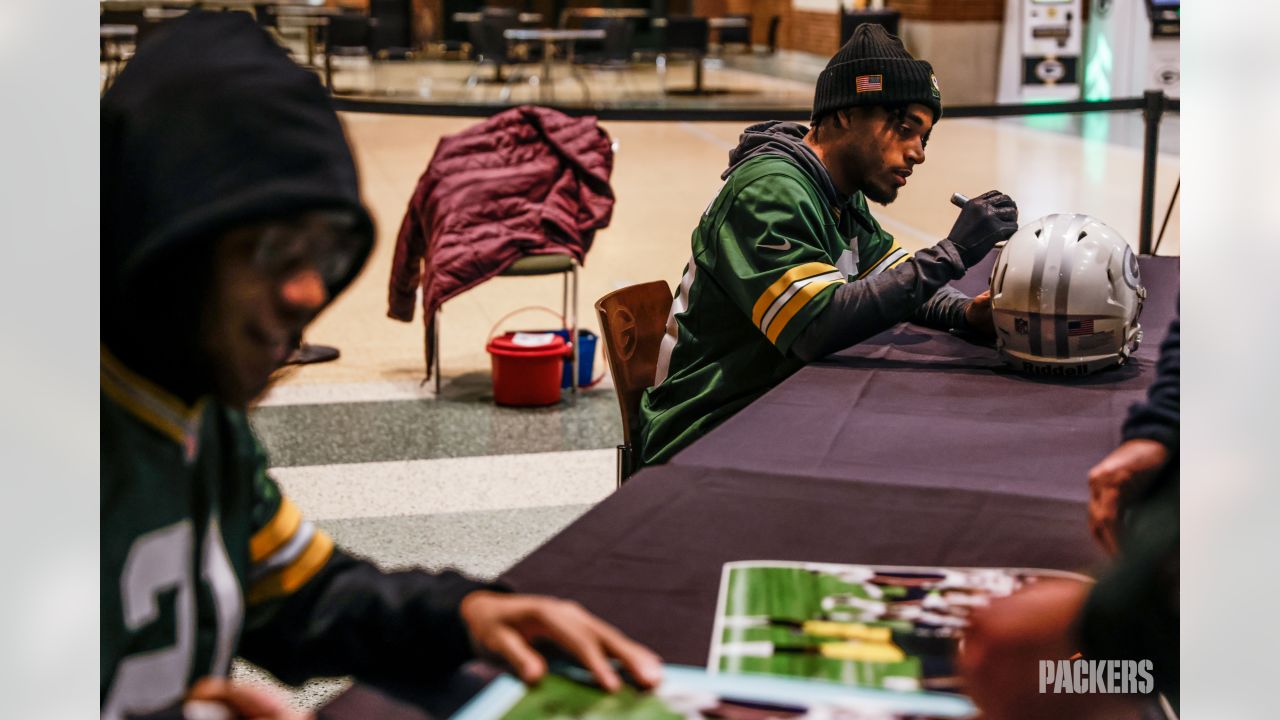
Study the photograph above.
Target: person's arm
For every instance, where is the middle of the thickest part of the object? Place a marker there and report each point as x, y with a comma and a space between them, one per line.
1157, 418
944, 310
1150, 444
1132, 613
352, 618
315, 610
865, 307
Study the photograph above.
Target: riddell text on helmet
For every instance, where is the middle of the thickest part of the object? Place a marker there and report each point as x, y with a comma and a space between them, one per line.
1063, 371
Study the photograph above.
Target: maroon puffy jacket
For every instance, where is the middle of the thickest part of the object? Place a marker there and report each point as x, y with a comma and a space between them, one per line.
527, 181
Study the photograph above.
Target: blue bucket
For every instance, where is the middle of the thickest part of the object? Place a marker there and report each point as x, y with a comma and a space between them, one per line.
586, 357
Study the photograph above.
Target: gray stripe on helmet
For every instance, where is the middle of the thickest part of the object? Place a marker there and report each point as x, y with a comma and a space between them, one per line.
1061, 302
1034, 333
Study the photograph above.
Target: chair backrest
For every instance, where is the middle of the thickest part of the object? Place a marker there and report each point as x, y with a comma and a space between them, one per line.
737, 35
391, 32
618, 39
633, 321
349, 30
616, 46
686, 34
772, 37
487, 36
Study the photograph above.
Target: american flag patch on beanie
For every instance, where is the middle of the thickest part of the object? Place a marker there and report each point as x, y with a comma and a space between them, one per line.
868, 83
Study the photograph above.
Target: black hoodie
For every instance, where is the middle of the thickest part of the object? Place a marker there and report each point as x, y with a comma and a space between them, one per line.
784, 139
209, 127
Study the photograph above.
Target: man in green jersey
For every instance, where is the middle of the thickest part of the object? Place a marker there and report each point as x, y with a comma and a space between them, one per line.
230, 217
789, 265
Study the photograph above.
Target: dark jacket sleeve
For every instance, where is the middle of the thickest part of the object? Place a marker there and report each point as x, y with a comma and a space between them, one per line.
1132, 613
943, 311
352, 618
1157, 418
871, 305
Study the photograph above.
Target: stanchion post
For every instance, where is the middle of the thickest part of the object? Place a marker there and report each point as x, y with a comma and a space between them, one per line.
1152, 111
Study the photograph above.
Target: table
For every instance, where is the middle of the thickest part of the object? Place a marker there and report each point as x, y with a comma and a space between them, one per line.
549, 38
934, 409
714, 23
648, 559
1002, 484
473, 17
602, 12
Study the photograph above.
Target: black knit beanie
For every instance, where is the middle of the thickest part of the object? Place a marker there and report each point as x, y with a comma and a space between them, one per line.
873, 68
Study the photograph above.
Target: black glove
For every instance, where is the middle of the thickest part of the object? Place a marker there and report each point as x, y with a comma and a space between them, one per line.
983, 222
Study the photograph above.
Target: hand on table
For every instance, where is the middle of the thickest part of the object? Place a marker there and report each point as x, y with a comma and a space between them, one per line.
217, 698
977, 315
504, 627
1002, 649
1116, 479
983, 222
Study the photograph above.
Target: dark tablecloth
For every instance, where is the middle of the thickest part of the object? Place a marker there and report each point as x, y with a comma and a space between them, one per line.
914, 406
915, 448
648, 559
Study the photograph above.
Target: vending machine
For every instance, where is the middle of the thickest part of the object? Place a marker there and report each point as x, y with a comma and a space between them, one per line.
1132, 46
1041, 54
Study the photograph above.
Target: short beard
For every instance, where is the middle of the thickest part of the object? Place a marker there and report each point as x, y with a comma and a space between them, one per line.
883, 197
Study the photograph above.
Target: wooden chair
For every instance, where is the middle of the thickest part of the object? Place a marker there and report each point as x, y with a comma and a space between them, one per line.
633, 321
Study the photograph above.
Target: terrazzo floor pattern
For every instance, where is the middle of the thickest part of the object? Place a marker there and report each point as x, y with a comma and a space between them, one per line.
454, 482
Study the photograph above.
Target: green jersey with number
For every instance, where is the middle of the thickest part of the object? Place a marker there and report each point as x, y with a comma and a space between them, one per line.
196, 542
767, 255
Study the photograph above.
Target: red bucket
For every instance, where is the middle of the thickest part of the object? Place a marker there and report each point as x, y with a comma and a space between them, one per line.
527, 368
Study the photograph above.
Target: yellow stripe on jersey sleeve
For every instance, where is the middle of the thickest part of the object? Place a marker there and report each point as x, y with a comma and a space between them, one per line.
275, 533
297, 573
894, 256
794, 305
779, 286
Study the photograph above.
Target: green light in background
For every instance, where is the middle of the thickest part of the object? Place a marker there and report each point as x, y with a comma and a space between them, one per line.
1095, 128
1097, 70
1055, 122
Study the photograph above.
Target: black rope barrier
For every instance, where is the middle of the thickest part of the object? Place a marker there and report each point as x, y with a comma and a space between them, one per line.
1153, 104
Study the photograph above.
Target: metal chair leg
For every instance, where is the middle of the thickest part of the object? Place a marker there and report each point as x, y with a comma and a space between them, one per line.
624, 463
577, 357
435, 350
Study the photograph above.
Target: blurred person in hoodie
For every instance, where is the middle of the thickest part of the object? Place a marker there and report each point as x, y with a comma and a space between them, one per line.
230, 217
788, 264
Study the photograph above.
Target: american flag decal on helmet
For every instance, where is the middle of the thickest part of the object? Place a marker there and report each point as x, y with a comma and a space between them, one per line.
1079, 327
868, 83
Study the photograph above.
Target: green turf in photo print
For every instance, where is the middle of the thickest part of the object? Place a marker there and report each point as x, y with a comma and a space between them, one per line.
559, 698
891, 628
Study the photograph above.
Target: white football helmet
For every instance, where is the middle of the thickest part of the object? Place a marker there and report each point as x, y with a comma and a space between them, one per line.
1066, 296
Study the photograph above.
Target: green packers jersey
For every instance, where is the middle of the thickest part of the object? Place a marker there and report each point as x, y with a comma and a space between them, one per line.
767, 255
196, 539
